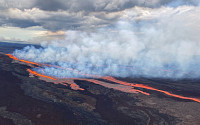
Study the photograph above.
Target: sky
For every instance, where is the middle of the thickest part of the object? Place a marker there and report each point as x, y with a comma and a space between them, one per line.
34, 21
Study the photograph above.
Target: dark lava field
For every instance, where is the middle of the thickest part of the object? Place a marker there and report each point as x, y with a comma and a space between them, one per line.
28, 100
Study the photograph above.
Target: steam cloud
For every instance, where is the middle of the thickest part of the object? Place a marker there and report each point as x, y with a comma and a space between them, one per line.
146, 42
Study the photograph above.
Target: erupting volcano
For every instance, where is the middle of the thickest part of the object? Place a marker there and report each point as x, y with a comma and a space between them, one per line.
99, 62
120, 85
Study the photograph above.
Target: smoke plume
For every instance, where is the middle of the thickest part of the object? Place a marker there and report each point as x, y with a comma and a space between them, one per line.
146, 42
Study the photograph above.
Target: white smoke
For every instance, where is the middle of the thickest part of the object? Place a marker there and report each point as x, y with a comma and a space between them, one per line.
162, 42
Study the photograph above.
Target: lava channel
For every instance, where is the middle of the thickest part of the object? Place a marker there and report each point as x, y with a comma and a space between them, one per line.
109, 78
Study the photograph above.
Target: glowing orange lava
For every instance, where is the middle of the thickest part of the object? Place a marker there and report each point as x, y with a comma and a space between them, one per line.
37, 74
122, 86
12, 57
28, 62
72, 84
150, 88
70, 81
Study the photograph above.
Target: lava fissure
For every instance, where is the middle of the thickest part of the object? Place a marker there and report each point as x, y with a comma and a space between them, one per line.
25, 61
122, 86
150, 88
37, 74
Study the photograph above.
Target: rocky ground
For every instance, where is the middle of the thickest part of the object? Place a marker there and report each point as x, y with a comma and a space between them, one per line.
28, 100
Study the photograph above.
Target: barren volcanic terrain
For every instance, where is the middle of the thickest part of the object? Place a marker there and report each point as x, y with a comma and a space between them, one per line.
28, 98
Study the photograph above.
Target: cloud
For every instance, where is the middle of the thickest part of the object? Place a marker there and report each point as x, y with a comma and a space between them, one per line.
20, 4
90, 5
31, 34
61, 20
150, 42
74, 14
48, 36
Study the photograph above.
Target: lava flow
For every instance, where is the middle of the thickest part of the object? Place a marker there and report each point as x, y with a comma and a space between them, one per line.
149, 88
74, 86
70, 81
37, 74
24, 61
121, 86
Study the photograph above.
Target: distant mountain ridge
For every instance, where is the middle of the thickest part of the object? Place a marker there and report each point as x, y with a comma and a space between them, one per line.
7, 47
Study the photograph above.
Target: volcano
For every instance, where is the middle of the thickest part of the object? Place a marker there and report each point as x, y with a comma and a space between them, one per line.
30, 97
